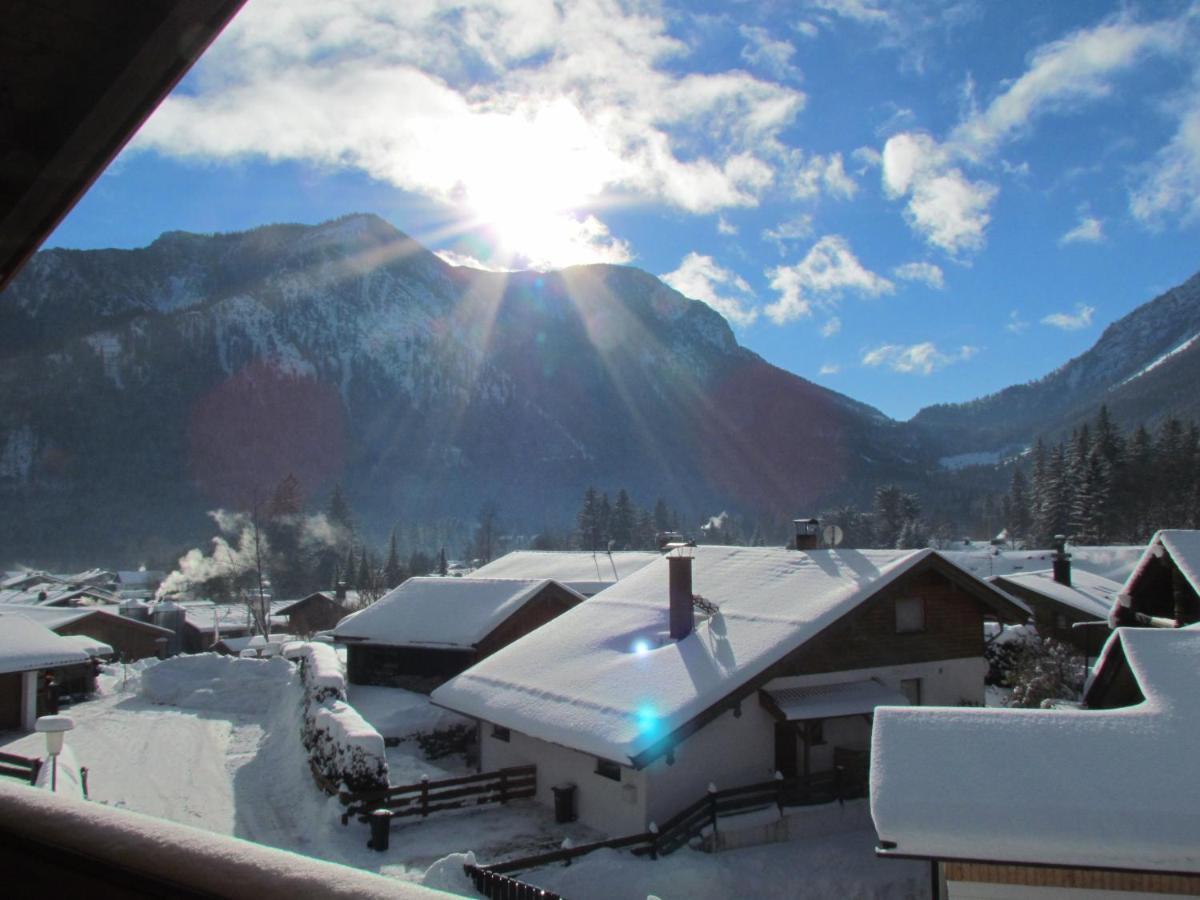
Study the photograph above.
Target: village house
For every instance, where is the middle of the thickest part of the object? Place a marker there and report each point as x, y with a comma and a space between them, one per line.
318, 611
980, 793
28, 651
430, 628
583, 571
124, 638
201, 624
652, 690
1069, 606
1164, 589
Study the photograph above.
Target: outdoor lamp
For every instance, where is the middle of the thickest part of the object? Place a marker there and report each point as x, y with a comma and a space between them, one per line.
54, 727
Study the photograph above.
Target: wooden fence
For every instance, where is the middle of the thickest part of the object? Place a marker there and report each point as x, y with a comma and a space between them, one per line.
495, 886
21, 767
427, 797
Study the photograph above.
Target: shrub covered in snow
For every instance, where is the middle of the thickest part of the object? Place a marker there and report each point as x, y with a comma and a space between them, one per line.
1046, 670
342, 745
346, 749
1003, 651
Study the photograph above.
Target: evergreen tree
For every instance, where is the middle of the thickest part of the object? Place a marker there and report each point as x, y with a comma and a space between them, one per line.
644, 533
604, 515
624, 517
662, 515
590, 529
889, 515
363, 581
1018, 518
393, 571
339, 509
487, 533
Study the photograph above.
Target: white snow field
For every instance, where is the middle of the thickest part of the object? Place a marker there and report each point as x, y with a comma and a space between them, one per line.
214, 742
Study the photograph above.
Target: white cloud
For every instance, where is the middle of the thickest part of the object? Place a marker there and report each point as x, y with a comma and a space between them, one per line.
829, 369
823, 172
949, 209
921, 359
768, 53
831, 327
466, 260
1082, 318
1090, 230
867, 158
828, 270
561, 104
1015, 323
1170, 185
724, 226
924, 272
808, 29
798, 228
700, 278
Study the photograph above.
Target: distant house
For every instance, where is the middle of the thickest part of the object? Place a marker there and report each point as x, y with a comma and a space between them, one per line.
430, 628
27, 652
984, 793
1061, 599
125, 638
316, 612
1164, 589
650, 691
204, 623
583, 571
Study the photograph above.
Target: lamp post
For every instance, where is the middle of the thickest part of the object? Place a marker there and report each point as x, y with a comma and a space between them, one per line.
54, 727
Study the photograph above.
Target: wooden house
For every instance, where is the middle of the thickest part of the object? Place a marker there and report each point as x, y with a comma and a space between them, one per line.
125, 638
774, 662
1069, 606
1164, 589
984, 793
319, 611
430, 629
28, 651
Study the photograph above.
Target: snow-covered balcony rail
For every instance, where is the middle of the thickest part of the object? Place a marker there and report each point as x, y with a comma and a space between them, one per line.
57, 847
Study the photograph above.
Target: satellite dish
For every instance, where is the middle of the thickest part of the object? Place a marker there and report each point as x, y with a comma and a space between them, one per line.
832, 535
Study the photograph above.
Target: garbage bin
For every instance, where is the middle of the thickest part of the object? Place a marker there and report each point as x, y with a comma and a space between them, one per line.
564, 802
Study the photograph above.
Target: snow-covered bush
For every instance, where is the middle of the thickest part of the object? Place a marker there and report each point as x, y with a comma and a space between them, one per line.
1003, 651
1046, 670
345, 749
342, 745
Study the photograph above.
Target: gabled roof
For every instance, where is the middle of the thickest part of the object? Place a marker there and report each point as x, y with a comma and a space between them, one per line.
1184, 549
1110, 788
25, 645
581, 570
289, 606
54, 617
1092, 595
603, 678
441, 612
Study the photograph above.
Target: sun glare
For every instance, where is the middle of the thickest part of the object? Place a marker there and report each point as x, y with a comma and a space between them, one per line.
531, 183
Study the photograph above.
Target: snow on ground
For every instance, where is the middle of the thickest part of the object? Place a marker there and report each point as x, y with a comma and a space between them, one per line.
225, 755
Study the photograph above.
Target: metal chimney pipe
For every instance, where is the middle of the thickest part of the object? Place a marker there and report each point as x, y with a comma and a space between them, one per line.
683, 618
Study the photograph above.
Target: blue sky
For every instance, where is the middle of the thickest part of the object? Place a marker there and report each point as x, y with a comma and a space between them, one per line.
907, 202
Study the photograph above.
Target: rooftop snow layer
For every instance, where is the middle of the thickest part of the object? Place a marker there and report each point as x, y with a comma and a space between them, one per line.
1092, 595
25, 645
441, 612
605, 679
1115, 562
990, 783
582, 571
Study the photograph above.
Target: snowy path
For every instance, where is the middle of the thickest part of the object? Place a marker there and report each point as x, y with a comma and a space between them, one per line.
163, 762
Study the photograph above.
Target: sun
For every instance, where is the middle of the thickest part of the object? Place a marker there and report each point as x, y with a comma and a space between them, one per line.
531, 183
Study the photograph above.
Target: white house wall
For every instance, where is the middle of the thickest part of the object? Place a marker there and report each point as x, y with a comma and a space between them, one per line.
616, 808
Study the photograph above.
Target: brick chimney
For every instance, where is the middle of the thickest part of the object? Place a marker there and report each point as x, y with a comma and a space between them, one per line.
682, 615
808, 533
1062, 560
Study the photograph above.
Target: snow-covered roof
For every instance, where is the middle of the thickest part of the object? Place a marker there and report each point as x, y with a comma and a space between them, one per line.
288, 606
54, 617
89, 645
604, 677
1184, 549
581, 570
1111, 788
826, 701
27, 645
200, 614
440, 612
1092, 595
1114, 562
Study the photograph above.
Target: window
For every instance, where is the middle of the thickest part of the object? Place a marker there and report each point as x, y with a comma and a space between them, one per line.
911, 688
501, 733
608, 769
910, 615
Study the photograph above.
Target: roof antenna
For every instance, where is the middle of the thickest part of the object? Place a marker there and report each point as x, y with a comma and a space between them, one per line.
612, 562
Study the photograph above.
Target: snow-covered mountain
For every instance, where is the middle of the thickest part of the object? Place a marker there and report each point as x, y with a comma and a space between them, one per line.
155, 383
1145, 366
